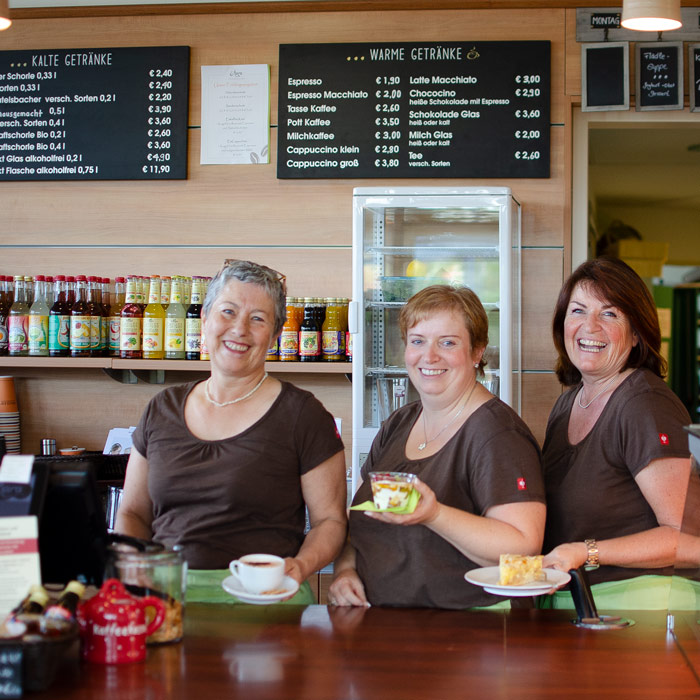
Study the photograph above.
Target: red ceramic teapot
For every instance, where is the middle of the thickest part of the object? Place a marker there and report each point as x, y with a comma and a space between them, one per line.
113, 624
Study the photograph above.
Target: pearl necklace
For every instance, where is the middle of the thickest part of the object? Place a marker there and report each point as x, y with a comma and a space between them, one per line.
424, 444
240, 398
602, 391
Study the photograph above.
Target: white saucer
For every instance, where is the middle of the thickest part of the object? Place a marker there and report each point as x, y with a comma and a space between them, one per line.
488, 577
232, 585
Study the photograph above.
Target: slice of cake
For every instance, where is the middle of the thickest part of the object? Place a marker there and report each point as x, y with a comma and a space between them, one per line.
517, 569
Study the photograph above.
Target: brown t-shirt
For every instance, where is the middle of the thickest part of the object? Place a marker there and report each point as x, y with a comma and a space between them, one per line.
591, 491
493, 459
221, 499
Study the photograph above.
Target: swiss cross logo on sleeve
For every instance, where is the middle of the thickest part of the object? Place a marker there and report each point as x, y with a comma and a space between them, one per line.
522, 486
663, 438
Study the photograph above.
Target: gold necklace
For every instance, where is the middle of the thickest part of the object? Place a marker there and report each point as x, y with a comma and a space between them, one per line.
607, 384
240, 398
424, 444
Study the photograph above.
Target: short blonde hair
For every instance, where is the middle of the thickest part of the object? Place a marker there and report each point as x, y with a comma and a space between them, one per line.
443, 297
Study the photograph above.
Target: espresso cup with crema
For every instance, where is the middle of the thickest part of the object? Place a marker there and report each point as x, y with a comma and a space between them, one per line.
259, 573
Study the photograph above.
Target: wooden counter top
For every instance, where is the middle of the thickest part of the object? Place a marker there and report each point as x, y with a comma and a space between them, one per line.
295, 652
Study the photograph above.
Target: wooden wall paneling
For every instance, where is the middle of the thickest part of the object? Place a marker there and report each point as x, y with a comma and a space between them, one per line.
540, 391
309, 271
542, 277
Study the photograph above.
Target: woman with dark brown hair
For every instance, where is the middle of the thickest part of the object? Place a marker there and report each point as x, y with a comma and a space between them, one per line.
478, 468
615, 456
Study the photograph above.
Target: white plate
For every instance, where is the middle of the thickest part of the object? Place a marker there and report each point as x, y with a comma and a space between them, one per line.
489, 575
232, 585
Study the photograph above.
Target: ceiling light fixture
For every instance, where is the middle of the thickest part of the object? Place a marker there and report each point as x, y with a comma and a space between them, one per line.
5, 20
651, 15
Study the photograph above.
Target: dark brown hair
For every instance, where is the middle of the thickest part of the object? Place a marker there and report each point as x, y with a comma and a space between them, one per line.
443, 297
618, 284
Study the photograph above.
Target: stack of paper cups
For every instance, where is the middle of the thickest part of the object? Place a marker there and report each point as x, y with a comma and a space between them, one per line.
9, 415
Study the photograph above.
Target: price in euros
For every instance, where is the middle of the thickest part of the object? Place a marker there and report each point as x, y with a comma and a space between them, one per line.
156, 169
388, 80
527, 113
387, 121
387, 108
527, 155
159, 121
388, 94
159, 133
393, 148
386, 163
163, 96
387, 135
527, 92
161, 73
160, 109
158, 145
524, 134
160, 85
528, 79
158, 157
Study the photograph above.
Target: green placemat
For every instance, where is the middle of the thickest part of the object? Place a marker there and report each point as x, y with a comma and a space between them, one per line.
410, 506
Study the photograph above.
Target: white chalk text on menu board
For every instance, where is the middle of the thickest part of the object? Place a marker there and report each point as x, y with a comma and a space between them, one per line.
94, 114
453, 109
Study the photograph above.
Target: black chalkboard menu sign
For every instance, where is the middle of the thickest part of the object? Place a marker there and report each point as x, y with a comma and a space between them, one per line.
605, 76
694, 76
659, 76
402, 110
94, 114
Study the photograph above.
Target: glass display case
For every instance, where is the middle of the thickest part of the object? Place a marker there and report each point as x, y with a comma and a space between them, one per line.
405, 239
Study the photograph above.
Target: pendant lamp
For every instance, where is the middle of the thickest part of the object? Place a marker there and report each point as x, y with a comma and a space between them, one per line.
651, 15
5, 20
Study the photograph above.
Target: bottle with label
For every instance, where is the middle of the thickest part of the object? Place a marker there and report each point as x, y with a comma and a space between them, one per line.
175, 316
95, 310
333, 334
289, 338
59, 320
34, 603
67, 604
115, 317
70, 291
106, 297
18, 321
273, 352
310, 333
153, 323
29, 289
193, 321
164, 291
5, 304
130, 323
39, 321
80, 321
103, 285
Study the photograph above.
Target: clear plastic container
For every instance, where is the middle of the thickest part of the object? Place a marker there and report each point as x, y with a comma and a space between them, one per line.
159, 572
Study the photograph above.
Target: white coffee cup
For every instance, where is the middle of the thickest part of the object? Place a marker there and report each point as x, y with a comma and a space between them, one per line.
259, 573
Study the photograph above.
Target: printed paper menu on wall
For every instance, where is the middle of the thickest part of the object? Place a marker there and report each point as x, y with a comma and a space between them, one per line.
94, 114
402, 110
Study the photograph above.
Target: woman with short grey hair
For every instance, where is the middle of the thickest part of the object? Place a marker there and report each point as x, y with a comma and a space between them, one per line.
229, 466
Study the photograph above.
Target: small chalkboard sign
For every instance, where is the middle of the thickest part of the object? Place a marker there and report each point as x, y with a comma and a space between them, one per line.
659, 76
694, 76
10, 671
605, 76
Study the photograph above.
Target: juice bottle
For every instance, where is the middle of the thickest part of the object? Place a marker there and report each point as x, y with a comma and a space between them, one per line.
164, 291
103, 284
80, 321
39, 321
115, 317
153, 323
289, 338
130, 323
5, 304
310, 333
94, 299
59, 320
193, 321
70, 291
106, 300
29, 289
332, 336
175, 323
18, 321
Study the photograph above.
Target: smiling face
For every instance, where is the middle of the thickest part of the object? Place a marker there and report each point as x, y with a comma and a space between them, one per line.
597, 336
439, 355
239, 328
